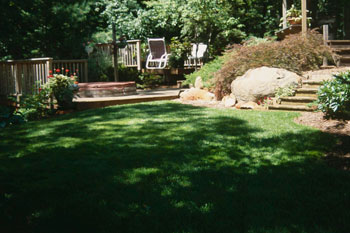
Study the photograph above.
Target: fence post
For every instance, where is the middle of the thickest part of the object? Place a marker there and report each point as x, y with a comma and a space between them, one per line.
138, 55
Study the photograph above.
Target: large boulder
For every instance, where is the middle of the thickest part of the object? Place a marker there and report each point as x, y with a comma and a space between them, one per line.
260, 82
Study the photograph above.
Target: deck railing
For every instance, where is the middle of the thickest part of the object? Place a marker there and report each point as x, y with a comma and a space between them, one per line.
19, 77
80, 67
130, 56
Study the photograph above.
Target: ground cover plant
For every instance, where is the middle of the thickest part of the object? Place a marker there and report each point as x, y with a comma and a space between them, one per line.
295, 53
167, 167
333, 97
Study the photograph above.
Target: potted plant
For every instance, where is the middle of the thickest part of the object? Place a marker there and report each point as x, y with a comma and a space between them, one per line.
294, 16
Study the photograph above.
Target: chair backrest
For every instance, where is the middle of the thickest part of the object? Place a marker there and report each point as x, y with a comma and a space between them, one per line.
202, 48
156, 47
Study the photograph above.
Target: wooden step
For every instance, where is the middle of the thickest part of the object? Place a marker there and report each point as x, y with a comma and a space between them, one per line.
338, 42
314, 83
297, 100
341, 50
307, 92
344, 64
291, 108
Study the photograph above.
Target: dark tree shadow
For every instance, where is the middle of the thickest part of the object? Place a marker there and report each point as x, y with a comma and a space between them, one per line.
173, 168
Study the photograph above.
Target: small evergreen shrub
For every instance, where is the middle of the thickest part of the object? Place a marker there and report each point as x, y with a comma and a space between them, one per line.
296, 53
334, 96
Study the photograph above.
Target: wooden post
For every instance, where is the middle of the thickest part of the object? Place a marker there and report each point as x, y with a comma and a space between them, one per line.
304, 15
115, 54
284, 13
138, 55
325, 39
48, 67
86, 72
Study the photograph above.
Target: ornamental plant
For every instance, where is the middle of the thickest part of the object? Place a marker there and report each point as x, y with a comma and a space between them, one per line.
334, 96
62, 87
265, 102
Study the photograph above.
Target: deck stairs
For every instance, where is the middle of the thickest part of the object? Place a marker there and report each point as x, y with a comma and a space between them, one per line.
306, 93
342, 50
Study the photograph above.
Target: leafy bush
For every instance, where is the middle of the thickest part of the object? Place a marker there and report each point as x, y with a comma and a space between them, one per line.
179, 52
128, 74
100, 67
296, 53
10, 116
147, 80
62, 88
207, 72
37, 105
40, 104
334, 96
285, 91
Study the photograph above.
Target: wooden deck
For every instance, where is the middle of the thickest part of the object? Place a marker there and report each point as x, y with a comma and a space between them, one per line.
140, 96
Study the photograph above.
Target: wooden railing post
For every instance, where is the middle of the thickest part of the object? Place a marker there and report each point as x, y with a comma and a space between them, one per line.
325, 41
86, 70
284, 13
138, 55
325, 33
48, 67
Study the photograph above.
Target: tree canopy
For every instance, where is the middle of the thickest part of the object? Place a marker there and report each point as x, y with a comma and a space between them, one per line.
60, 28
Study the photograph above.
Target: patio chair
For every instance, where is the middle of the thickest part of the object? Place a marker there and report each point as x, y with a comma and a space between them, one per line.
197, 55
158, 56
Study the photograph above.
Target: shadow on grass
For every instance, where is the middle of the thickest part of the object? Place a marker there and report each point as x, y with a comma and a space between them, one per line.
168, 168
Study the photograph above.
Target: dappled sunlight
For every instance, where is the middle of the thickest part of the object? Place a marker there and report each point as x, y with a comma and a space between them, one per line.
174, 166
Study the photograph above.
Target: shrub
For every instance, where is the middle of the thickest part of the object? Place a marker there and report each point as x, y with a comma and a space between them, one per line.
179, 52
37, 105
100, 67
207, 72
62, 88
285, 91
296, 53
147, 80
10, 116
334, 96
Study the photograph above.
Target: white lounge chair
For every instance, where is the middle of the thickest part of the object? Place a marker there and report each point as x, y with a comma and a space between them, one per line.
158, 56
197, 55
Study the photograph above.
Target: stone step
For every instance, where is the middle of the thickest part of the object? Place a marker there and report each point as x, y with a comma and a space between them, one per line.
297, 100
291, 108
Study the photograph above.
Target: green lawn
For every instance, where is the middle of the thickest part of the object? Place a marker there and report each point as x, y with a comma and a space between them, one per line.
166, 167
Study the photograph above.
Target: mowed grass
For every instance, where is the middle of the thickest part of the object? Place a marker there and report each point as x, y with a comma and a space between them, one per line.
166, 167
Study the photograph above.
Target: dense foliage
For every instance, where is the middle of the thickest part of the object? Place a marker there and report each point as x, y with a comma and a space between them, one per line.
61, 28
296, 53
334, 96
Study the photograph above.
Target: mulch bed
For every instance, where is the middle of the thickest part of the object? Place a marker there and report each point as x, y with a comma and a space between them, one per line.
339, 157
